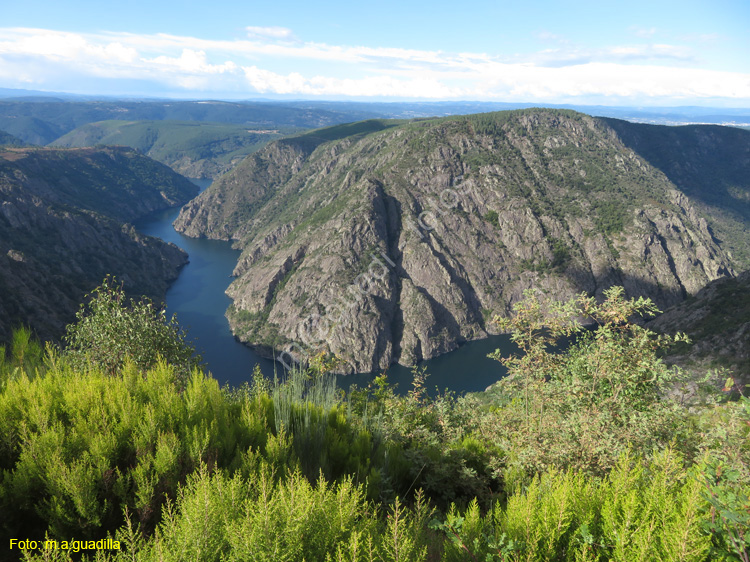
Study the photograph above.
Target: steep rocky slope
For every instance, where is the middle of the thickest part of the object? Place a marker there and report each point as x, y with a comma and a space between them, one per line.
63, 216
394, 242
709, 164
717, 319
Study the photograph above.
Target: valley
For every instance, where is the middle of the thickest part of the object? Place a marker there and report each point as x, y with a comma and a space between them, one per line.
453, 305
392, 242
395, 242
65, 224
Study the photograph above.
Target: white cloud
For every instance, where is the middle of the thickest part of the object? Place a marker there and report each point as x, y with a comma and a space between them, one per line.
270, 32
265, 81
658, 72
193, 62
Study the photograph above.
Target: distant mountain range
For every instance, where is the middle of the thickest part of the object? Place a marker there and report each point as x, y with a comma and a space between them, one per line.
40, 118
391, 241
41, 121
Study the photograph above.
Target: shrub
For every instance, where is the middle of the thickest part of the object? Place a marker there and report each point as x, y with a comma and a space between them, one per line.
583, 407
111, 330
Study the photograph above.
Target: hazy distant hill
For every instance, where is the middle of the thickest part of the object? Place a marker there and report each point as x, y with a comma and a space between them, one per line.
7, 139
193, 149
460, 215
62, 215
40, 118
41, 122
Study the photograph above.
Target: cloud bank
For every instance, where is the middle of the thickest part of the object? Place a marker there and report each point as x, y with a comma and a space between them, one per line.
272, 61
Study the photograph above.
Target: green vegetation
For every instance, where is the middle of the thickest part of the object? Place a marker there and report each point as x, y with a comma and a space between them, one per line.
111, 331
44, 121
492, 218
205, 149
577, 455
7, 139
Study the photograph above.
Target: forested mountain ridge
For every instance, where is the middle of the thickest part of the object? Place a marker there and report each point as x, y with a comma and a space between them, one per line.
442, 223
63, 228
41, 122
6, 139
193, 149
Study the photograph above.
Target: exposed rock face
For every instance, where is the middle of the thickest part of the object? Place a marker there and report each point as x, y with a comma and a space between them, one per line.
62, 230
710, 165
396, 245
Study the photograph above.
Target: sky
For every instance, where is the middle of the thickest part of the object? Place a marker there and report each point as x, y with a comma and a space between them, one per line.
643, 53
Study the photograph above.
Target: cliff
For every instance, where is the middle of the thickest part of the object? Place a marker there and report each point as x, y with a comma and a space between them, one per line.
64, 226
391, 241
717, 320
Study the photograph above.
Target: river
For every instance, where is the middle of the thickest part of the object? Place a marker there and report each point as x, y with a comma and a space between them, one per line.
197, 298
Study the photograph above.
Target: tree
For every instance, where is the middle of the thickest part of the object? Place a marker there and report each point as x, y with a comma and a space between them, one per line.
112, 329
605, 392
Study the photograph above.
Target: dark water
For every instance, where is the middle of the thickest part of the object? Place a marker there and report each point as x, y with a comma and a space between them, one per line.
199, 301
466, 369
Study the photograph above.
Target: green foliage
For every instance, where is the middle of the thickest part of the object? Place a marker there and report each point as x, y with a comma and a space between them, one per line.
638, 512
492, 218
584, 406
610, 217
79, 446
110, 331
571, 462
434, 444
724, 472
25, 356
728, 493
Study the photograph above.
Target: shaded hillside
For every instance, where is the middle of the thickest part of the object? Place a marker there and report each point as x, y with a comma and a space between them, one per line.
62, 215
6, 139
711, 165
392, 243
717, 319
41, 122
195, 150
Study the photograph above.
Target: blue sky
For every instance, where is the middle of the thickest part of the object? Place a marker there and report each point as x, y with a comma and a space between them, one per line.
612, 53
